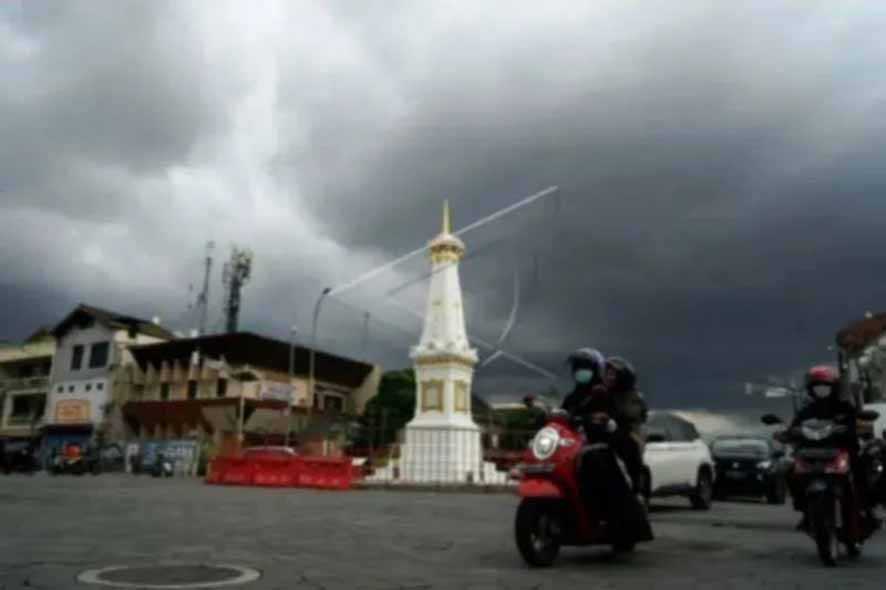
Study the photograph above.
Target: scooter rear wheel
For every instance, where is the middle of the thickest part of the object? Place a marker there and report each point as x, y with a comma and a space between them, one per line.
538, 531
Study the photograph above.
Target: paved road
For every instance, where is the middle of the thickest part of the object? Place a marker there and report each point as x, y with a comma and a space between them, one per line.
53, 528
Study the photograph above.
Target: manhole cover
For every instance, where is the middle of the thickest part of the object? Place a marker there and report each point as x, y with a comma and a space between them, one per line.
170, 577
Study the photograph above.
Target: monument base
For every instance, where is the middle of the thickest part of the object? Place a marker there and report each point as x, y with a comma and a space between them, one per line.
441, 454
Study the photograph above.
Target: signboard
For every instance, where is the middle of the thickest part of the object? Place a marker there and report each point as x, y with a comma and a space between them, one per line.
182, 453
72, 411
274, 390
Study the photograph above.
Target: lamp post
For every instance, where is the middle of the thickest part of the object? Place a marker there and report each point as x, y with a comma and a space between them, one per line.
311, 381
293, 331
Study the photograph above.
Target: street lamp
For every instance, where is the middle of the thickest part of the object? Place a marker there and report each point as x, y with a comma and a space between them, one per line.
293, 330
311, 381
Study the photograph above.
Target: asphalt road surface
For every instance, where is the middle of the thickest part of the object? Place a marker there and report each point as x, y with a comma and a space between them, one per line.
51, 529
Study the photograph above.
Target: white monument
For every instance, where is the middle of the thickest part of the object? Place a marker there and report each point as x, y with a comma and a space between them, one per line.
442, 442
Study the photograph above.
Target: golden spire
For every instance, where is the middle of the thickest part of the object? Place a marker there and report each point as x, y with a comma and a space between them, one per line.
447, 225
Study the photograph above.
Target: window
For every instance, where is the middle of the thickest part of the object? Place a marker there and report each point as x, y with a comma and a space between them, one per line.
164, 391
77, 358
70, 389
99, 386
221, 388
60, 389
683, 431
333, 403
21, 408
26, 408
98, 356
192, 389
89, 387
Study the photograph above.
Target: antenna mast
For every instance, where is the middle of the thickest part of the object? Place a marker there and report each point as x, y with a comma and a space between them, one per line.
235, 275
203, 298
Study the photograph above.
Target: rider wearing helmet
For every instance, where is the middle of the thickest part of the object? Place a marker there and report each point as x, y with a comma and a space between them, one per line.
592, 399
824, 402
586, 366
629, 412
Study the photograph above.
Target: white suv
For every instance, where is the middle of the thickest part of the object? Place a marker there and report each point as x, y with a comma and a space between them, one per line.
677, 462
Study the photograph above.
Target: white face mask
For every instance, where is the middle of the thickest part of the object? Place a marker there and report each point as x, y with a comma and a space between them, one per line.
821, 391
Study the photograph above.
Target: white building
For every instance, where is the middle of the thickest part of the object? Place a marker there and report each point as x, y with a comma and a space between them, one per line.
91, 346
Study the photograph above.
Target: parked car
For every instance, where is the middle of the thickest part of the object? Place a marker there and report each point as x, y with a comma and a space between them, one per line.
750, 465
264, 452
678, 462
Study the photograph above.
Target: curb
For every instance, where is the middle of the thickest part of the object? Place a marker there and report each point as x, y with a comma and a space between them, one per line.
439, 487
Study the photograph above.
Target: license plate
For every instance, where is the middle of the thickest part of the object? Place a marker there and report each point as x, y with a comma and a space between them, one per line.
736, 474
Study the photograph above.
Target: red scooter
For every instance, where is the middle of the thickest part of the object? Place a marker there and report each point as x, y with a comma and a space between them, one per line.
553, 511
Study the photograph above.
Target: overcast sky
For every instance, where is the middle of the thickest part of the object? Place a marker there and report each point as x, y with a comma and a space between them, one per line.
723, 187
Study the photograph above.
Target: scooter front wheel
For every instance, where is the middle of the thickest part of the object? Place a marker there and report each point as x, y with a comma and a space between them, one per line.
538, 531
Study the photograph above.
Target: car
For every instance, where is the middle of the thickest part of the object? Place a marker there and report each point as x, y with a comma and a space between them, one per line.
265, 452
677, 462
750, 465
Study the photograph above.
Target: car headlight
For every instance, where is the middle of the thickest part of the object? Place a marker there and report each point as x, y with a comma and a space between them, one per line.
764, 464
545, 443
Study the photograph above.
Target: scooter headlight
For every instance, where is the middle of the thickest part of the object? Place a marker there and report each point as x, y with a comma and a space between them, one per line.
765, 465
545, 443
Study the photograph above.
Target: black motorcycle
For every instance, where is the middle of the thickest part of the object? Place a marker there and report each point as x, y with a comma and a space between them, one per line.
822, 470
20, 458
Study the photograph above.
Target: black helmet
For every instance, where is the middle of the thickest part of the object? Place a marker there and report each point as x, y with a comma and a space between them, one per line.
625, 376
586, 358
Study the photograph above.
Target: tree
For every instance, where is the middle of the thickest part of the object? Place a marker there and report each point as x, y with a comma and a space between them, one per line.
389, 411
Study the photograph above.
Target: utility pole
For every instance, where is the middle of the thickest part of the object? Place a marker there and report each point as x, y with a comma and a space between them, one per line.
292, 334
365, 343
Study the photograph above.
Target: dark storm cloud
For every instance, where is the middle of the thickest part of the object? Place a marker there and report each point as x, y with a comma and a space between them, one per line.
719, 170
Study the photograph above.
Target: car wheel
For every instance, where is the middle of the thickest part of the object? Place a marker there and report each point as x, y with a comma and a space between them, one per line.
704, 491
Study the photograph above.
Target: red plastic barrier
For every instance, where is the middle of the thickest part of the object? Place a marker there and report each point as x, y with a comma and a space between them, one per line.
274, 472
238, 472
327, 473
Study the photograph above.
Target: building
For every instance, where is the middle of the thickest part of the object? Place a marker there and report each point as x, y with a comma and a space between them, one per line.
24, 385
862, 349
91, 354
227, 390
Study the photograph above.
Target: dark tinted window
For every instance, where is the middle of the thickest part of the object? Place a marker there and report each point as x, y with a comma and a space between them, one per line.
192, 389
221, 388
657, 428
98, 356
164, 391
683, 431
77, 358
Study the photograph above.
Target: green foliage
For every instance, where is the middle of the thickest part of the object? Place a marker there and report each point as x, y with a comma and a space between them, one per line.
389, 411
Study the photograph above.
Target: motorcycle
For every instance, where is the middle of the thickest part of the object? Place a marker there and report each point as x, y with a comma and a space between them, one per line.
554, 510
162, 467
20, 460
823, 470
70, 462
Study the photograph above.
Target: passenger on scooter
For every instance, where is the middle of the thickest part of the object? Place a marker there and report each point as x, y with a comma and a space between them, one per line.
591, 403
824, 402
629, 413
